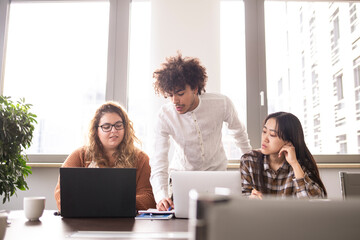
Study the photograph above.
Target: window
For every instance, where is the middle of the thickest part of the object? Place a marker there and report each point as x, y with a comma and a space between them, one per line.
59, 64
232, 61
356, 72
338, 87
322, 75
72, 65
336, 31
315, 87
141, 98
280, 86
300, 57
334, 34
223, 58
341, 140
353, 16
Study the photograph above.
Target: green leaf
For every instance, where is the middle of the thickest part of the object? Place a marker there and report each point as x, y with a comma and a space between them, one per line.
16, 132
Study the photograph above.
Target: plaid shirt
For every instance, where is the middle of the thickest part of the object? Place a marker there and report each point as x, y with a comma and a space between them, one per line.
281, 183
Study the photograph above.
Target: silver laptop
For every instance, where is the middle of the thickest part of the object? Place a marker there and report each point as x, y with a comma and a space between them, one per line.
203, 182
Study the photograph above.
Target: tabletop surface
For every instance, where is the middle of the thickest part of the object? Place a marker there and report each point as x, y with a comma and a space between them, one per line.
56, 227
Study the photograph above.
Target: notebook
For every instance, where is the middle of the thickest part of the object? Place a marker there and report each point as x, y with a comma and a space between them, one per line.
98, 192
203, 182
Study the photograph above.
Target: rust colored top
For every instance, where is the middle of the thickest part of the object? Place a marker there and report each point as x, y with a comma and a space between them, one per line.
144, 194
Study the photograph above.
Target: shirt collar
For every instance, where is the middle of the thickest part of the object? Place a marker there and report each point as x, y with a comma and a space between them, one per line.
197, 107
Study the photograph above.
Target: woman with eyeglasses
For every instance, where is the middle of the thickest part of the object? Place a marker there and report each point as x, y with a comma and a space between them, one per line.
111, 144
283, 166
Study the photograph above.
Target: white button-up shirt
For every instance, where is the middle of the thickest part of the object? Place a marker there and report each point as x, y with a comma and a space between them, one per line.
197, 136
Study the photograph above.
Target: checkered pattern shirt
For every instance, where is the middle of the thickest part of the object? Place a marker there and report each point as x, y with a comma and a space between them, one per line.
281, 183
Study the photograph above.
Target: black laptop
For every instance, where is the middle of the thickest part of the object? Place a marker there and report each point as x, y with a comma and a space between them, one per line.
98, 192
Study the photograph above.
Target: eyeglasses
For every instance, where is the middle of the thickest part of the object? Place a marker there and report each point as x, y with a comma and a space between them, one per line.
106, 127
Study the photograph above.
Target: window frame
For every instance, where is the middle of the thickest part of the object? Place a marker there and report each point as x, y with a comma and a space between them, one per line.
256, 81
117, 70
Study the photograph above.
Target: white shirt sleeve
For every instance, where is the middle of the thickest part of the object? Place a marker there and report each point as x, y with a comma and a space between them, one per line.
159, 163
236, 127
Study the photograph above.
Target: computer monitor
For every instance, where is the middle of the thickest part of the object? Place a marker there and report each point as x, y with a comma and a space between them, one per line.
236, 217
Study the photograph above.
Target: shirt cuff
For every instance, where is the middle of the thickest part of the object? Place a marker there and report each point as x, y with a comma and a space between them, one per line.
300, 183
160, 196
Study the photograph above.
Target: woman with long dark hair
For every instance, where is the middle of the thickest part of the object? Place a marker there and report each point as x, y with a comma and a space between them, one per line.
284, 165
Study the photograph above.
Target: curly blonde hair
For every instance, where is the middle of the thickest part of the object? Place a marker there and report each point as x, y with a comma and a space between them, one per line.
125, 153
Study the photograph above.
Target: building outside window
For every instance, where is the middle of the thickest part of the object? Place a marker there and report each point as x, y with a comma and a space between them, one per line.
322, 75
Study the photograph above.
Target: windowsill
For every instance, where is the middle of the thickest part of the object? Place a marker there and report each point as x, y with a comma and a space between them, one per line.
323, 161
46, 158
44, 165
230, 165
320, 165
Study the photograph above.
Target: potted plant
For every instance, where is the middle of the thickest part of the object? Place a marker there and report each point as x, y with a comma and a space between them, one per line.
16, 132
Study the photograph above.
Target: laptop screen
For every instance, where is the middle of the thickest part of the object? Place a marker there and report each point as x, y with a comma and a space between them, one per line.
98, 192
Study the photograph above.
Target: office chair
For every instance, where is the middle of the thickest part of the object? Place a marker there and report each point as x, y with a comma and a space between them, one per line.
350, 184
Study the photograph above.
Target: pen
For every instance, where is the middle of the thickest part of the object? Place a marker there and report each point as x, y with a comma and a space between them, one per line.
169, 208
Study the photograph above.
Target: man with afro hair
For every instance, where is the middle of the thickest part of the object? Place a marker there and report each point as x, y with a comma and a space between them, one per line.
194, 120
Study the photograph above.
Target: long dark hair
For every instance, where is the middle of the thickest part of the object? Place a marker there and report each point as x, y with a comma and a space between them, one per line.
289, 129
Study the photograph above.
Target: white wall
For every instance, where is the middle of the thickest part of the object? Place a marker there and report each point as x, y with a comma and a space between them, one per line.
193, 28
331, 179
41, 182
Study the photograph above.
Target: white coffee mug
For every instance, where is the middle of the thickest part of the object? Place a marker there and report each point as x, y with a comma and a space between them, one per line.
34, 207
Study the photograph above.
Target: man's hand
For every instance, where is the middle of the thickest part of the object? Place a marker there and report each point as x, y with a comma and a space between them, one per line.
165, 204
